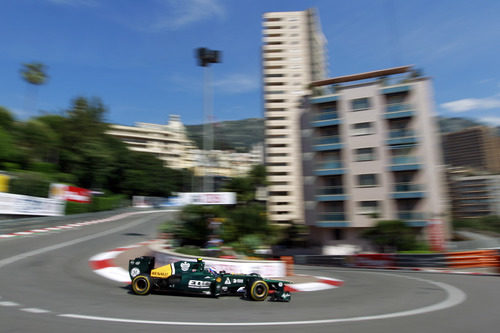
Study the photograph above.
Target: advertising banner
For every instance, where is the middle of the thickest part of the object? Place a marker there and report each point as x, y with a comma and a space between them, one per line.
15, 204
383, 260
70, 193
266, 268
207, 198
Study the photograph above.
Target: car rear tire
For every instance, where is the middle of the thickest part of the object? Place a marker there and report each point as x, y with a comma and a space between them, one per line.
259, 290
141, 285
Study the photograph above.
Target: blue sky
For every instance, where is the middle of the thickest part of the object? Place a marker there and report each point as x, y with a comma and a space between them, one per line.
138, 56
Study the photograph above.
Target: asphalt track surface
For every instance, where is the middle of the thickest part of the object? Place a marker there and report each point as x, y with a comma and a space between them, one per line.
46, 285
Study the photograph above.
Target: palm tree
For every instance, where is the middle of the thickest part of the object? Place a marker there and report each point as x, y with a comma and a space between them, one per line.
35, 75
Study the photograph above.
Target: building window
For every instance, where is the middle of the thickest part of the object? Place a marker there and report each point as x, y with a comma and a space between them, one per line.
368, 207
278, 193
362, 129
364, 154
274, 75
367, 180
360, 104
278, 173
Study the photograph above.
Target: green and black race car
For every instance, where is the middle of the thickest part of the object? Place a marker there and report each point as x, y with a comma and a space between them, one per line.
192, 277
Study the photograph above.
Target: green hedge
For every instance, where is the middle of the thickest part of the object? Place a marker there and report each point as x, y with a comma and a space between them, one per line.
98, 204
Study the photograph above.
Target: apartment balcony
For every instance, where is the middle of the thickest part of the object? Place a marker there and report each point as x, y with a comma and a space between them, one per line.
330, 193
402, 137
323, 99
326, 119
325, 143
405, 163
396, 89
332, 220
329, 168
413, 218
408, 191
399, 110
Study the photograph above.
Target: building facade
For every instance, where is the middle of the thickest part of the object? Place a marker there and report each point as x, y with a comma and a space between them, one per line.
475, 196
477, 147
371, 152
170, 144
293, 54
167, 142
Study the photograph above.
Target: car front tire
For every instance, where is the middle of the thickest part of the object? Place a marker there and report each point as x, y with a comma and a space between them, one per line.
259, 290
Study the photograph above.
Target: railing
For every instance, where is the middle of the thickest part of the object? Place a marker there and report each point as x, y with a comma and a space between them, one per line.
411, 216
398, 107
332, 217
330, 190
404, 160
326, 116
401, 133
328, 165
407, 187
326, 140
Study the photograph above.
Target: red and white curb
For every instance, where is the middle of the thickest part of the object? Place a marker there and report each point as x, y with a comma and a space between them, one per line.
73, 225
322, 283
104, 265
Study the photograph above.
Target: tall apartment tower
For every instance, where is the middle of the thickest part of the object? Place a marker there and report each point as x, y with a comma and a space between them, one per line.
293, 54
371, 152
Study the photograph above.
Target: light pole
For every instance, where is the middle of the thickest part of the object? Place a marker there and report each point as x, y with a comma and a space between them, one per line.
205, 58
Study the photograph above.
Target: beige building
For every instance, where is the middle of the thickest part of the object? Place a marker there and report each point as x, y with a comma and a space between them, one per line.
227, 163
170, 144
371, 152
292, 56
167, 142
477, 147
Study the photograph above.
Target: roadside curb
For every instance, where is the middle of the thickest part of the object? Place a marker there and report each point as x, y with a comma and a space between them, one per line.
73, 225
104, 264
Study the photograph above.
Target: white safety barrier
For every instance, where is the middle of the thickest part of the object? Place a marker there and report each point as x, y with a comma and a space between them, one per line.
265, 268
16, 204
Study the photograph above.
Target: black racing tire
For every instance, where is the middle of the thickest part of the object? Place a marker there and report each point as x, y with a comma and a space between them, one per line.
259, 290
141, 285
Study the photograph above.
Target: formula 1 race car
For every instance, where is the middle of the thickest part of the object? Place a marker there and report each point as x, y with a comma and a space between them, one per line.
192, 277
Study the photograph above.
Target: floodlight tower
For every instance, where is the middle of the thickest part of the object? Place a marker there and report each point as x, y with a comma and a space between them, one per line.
205, 58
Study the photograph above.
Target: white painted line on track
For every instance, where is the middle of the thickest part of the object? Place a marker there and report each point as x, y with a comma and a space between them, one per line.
35, 310
7, 303
28, 254
454, 297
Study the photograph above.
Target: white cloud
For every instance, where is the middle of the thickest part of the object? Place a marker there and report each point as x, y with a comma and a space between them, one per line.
229, 84
180, 14
237, 83
468, 104
495, 121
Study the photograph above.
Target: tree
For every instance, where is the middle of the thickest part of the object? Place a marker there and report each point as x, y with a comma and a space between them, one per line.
6, 119
35, 74
393, 235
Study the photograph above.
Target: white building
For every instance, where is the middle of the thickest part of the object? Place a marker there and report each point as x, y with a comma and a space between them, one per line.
167, 142
170, 144
371, 152
292, 56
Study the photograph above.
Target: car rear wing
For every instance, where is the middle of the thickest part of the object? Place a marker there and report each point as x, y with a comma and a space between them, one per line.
140, 265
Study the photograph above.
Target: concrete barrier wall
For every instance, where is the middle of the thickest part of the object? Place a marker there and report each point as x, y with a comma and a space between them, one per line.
266, 268
469, 259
